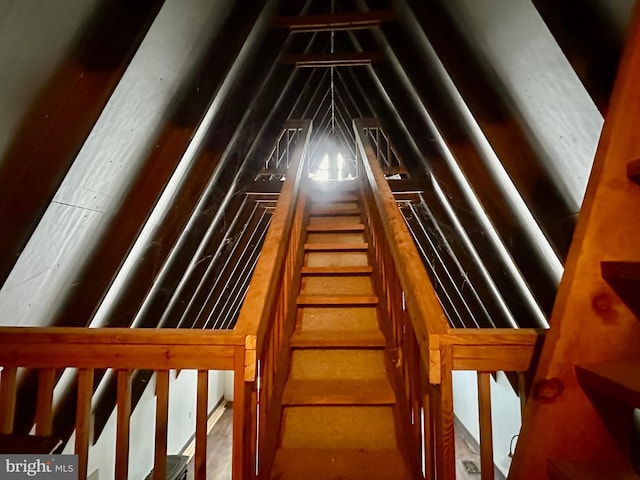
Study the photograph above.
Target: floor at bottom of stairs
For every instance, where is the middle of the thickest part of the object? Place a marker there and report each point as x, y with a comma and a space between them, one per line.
219, 454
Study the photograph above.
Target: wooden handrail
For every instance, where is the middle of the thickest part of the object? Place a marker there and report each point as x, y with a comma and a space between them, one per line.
423, 304
264, 317
125, 350
120, 348
253, 319
428, 348
256, 337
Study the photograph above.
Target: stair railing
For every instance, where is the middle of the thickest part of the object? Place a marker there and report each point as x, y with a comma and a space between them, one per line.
48, 351
267, 319
426, 348
251, 350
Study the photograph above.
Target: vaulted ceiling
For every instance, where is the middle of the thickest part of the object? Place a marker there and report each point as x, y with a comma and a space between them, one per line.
139, 160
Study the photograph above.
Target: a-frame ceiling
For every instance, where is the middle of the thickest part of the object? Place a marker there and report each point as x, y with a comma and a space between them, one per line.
479, 102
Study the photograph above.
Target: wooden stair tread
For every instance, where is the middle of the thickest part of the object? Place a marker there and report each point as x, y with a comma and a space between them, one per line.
338, 426
343, 300
337, 339
334, 212
568, 470
624, 279
338, 270
338, 392
633, 171
336, 318
326, 464
336, 197
336, 247
335, 363
346, 228
620, 379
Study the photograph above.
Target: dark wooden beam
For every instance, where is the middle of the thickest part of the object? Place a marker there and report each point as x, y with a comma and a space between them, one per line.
348, 59
337, 21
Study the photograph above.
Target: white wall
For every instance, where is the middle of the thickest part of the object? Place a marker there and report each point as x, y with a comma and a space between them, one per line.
505, 412
181, 427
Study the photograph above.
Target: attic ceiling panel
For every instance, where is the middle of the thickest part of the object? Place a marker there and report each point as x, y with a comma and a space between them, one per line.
101, 174
32, 64
538, 84
65, 103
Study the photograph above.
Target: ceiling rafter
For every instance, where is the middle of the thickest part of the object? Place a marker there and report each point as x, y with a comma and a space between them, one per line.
335, 21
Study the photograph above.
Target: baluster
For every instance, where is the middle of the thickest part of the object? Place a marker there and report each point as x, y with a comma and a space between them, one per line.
427, 429
238, 417
162, 420
7, 399
442, 411
44, 407
83, 419
122, 428
200, 461
486, 433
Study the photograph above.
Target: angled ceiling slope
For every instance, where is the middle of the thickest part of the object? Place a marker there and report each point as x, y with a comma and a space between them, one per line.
488, 213
175, 214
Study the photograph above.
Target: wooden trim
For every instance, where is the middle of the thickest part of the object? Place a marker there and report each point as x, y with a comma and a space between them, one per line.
338, 300
117, 355
123, 425
354, 228
329, 271
162, 421
486, 429
121, 336
44, 406
335, 21
442, 414
424, 308
259, 299
239, 420
200, 460
83, 419
336, 247
509, 358
7, 399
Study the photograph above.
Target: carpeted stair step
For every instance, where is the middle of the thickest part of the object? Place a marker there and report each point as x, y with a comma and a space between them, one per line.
338, 270
335, 208
337, 237
338, 392
333, 285
339, 319
329, 221
334, 363
337, 339
336, 300
336, 247
330, 464
336, 259
349, 427
340, 228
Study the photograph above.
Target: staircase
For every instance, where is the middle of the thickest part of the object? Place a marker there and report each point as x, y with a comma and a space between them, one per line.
339, 418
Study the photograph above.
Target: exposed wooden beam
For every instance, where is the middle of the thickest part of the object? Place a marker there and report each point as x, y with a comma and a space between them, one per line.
347, 59
336, 21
